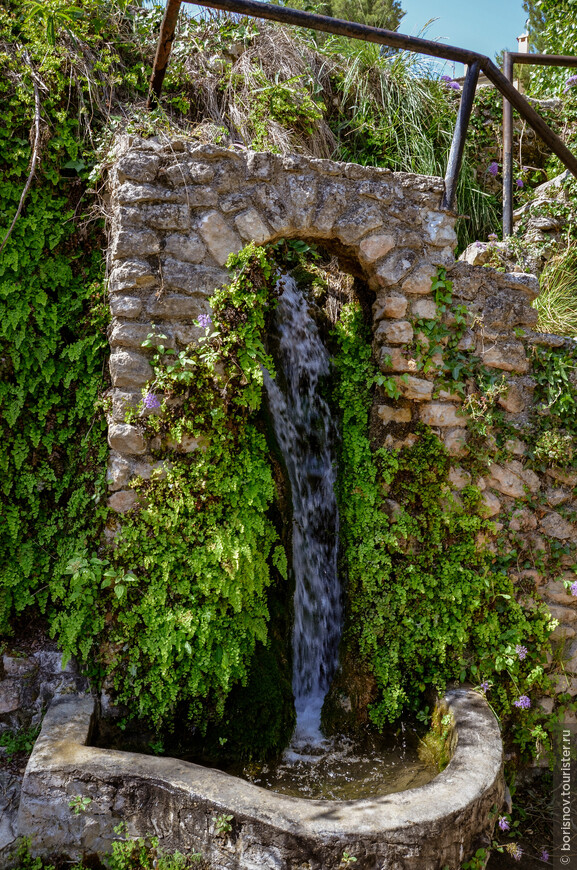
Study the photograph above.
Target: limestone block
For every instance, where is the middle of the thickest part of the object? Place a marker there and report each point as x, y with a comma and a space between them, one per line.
220, 238
9, 695
138, 166
396, 266
459, 478
355, 224
374, 247
532, 480
125, 306
273, 206
508, 356
122, 402
555, 497
199, 172
194, 279
440, 228
389, 414
119, 471
394, 331
302, 194
134, 243
134, 334
176, 305
562, 632
513, 401
515, 446
455, 440
235, 202
417, 389
392, 360
187, 444
555, 591
566, 476
187, 247
131, 274
16, 666
259, 165
251, 227
393, 305
505, 481
556, 526
565, 685
523, 520
445, 396
441, 414
424, 309
129, 369
122, 501
468, 341
125, 438
489, 505
333, 199
565, 615
187, 333
420, 281
135, 194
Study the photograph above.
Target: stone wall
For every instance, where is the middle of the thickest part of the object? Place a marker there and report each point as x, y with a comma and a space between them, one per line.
178, 210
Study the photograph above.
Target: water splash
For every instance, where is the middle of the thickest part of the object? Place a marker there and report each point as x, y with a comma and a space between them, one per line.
306, 437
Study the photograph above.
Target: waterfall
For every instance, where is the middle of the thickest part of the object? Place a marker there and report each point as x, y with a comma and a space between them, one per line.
306, 436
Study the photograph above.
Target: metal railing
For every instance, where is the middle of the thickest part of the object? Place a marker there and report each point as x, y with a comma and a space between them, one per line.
475, 62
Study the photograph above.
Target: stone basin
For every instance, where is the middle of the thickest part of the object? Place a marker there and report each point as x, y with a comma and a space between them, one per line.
435, 826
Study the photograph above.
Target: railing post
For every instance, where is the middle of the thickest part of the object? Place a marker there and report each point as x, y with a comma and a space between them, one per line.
507, 151
163, 49
460, 135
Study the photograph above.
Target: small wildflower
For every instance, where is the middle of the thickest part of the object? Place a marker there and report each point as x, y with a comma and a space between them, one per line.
503, 823
523, 702
571, 81
204, 321
485, 686
446, 79
520, 183
493, 237
454, 85
481, 245
521, 651
151, 402
573, 589
493, 168
516, 852
545, 856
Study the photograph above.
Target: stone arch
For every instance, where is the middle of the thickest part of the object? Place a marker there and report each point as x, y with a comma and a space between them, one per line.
179, 210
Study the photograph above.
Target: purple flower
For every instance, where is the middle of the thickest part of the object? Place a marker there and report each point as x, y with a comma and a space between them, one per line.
520, 183
446, 79
521, 651
517, 853
151, 402
204, 320
481, 245
522, 702
454, 85
571, 81
573, 589
493, 168
484, 687
503, 823
545, 856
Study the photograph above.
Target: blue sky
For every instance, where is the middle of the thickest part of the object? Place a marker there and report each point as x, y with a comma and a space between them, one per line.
481, 25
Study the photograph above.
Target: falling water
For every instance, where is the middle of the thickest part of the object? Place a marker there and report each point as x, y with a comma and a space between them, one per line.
306, 436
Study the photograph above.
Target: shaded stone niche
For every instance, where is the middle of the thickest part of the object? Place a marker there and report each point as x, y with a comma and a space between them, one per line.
179, 210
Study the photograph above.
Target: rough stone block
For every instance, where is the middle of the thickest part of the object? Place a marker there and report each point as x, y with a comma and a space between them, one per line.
134, 243
393, 360
556, 526
513, 401
393, 305
353, 225
176, 306
9, 695
441, 414
251, 227
420, 281
129, 369
125, 306
19, 666
424, 309
566, 476
455, 441
134, 334
555, 497
490, 505
138, 166
459, 478
505, 481
125, 438
193, 279
440, 228
396, 266
220, 238
119, 471
187, 247
508, 356
394, 331
122, 501
555, 591
388, 414
523, 520
131, 274
333, 199
417, 389
136, 194
374, 247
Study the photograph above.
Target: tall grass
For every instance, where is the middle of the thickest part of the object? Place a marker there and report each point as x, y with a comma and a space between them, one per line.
557, 300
